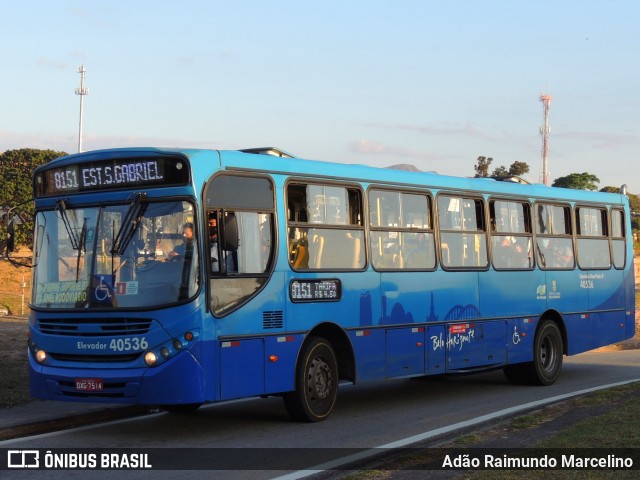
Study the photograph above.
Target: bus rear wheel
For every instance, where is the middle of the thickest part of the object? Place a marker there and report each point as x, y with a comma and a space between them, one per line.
547, 358
316, 383
547, 351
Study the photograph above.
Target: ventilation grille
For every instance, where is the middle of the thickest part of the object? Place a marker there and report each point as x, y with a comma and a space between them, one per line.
65, 357
94, 327
272, 319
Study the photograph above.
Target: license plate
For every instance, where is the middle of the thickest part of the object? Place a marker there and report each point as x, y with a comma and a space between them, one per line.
89, 384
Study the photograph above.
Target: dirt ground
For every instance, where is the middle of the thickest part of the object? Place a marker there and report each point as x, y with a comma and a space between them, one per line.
14, 385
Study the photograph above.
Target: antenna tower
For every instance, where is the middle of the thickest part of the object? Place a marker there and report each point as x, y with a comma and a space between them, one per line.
545, 130
82, 91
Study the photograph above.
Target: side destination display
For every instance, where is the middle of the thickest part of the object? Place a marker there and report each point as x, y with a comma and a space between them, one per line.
315, 290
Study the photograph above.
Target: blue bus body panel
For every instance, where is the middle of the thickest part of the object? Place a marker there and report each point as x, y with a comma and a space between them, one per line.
404, 352
520, 335
368, 343
258, 366
436, 350
563, 292
606, 302
242, 366
182, 380
630, 297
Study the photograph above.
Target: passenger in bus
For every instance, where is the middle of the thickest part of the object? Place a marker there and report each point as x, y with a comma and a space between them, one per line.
185, 249
215, 250
300, 252
418, 254
564, 257
512, 255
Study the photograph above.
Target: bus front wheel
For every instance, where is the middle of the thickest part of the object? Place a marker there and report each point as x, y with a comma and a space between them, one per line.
316, 383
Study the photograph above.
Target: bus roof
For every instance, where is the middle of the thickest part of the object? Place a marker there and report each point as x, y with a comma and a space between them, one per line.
409, 178
275, 160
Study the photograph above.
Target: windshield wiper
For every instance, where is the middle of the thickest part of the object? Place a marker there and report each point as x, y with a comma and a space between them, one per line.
129, 225
71, 229
81, 246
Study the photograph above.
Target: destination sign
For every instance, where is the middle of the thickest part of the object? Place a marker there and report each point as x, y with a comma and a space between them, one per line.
112, 174
315, 290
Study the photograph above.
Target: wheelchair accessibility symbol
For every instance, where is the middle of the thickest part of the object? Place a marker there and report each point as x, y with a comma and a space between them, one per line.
103, 291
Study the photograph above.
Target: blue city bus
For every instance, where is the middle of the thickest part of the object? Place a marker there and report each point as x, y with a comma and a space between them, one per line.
173, 277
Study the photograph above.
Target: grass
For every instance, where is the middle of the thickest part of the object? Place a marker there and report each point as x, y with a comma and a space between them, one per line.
618, 428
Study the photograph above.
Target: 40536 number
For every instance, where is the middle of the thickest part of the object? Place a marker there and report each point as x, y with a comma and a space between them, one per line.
128, 344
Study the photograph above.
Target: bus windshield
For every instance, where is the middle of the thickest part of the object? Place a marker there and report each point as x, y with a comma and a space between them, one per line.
136, 255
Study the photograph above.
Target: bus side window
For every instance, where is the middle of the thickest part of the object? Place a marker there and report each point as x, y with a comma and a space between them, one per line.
593, 238
463, 240
554, 241
618, 238
325, 229
511, 235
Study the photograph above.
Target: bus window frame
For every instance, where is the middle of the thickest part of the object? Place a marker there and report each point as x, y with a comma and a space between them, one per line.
400, 230
493, 232
221, 210
305, 226
605, 225
463, 195
623, 238
550, 236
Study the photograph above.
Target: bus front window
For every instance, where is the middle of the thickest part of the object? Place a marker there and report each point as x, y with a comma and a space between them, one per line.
122, 256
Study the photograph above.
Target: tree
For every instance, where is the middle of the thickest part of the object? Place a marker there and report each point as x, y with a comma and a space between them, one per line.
16, 171
501, 171
634, 206
634, 203
482, 166
577, 181
517, 169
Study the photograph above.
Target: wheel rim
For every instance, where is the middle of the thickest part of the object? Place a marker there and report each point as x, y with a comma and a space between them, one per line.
320, 379
548, 352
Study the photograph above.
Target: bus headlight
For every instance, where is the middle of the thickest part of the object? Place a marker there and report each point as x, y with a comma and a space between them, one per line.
41, 356
150, 358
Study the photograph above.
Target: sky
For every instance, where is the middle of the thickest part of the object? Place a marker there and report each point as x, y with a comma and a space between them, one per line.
430, 83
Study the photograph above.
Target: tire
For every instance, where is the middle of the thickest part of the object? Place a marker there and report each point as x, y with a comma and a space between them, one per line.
316, 383
547, 356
